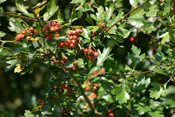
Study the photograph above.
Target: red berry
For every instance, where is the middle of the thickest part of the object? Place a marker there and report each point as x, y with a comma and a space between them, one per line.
61, 44
57, 28
132, 39
68, 40
66, 44
48, 25
102, 70
91, 51
58, 24
39, 100
80, 31
57, 35
54, 24
44, 29
69, 33
73, 69
88, 56
66, 86
75, 64
62, 88
71, 45
95, 54
109, 111
74, 32
52, 28
62, 62
67, 110
18, 37
42, 103
111, 114
86, 50
55, 62
64, 69
48, 38
74, 36
40, 107
65, 58
55, 87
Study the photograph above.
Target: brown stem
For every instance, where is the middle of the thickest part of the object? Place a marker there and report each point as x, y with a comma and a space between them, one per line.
28, 18
86, 98
7, 41
5, 47
144, 31
127, 15
35, 15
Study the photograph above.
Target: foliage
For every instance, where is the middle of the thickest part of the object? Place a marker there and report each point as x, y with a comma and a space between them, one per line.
82, 71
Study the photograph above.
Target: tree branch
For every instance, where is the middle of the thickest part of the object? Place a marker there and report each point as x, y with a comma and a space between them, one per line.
86, 98
127, 15
35, 15
7, 41
28, 18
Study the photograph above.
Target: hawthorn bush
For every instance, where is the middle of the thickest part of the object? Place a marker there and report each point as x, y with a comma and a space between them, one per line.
97, 58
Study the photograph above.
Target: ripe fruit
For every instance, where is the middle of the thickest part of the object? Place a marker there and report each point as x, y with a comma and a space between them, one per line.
55, 87
62, 88
102, 70
111, 114
95, 54
40, 107
18, 37
57, 35
69, 33
61, 44
65, 59
39, 100
42, 103
75, 64
91, 51
66, 86
132, 39
73, 69
86, 50
67, 110
66, 44
110, 111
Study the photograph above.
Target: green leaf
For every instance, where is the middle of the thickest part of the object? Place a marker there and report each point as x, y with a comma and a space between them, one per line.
103, 56
28, 113
35, 43
167, 7
92, 28
100, 14
109, 12
12, 64
122, 95
152, 11
134, 3
96, 68
142, 108
2, 34
51, 10
156, 114
20, 7
142, 85
89, 19
165, 37
86, 34
1, 1
157, 90
159, 70
15, 25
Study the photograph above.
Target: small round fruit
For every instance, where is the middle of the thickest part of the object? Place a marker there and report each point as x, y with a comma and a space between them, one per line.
111, 114
18, 37
103, 25
39, 100
67, 110
62, 88
102, 70
88, 56
132, 39
95, 54
91, 51
66, 86
66, 44
61, 44
65, 59
86, 50
55, 87
75, 64
40, 107
57, 35
73, 69
69, 33
42, 103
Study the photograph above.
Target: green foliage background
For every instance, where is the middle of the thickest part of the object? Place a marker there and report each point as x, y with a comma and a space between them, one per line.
139, 78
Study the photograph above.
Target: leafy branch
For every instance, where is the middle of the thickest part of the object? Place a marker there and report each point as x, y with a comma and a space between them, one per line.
127, 15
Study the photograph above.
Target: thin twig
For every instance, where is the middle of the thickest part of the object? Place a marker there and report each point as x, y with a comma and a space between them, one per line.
7, 41
35, 15
4, 47
28, 18
144, 31
86, 98
127, 15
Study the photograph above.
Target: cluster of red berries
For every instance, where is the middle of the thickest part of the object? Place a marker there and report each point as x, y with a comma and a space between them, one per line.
73, 40
64, 60
103, 25
110, 113
65, 111
27, 32
74, 67
50, 29
91, 54
41, 102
